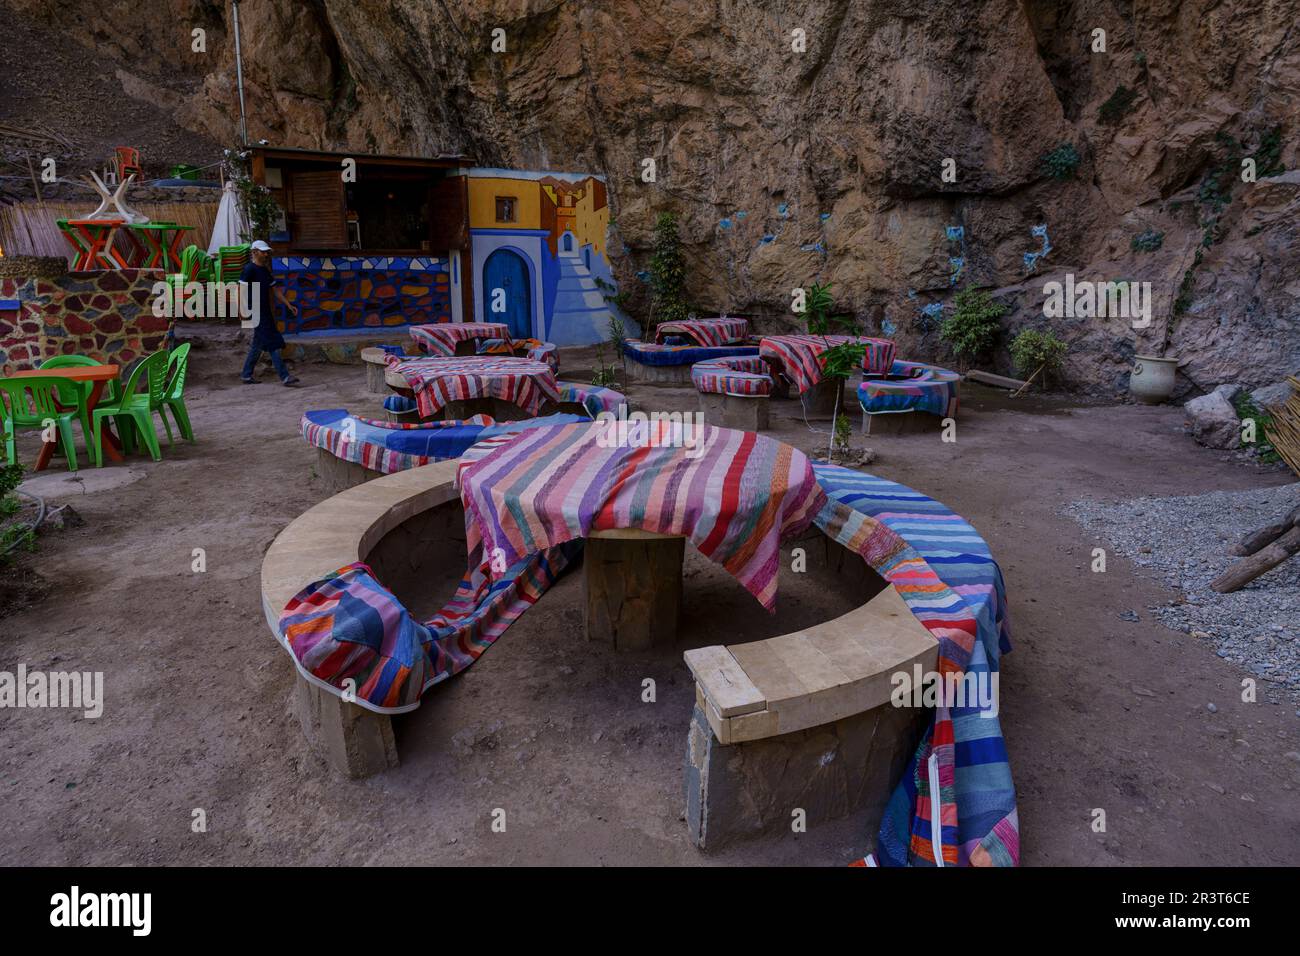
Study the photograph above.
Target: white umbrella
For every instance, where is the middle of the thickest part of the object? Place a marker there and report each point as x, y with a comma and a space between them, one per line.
228, 228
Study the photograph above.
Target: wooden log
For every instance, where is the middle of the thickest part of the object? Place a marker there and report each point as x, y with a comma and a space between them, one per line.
633, 588
1001, 381
1265, 535
1243, 572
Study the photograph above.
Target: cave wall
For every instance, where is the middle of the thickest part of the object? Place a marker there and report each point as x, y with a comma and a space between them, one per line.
789, 167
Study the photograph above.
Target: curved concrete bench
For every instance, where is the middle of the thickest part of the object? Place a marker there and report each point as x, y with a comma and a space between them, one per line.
912, 398
375, 359
579, 398
801, 721
804, 721
734, 391
393, 524
671, 364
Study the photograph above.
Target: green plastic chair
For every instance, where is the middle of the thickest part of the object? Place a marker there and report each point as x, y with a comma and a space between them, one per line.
135, 409
85, 388
34, 400
196, 264
178, 363
231, 261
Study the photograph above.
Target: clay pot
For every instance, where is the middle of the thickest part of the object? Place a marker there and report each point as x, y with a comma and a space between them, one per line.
1152, 380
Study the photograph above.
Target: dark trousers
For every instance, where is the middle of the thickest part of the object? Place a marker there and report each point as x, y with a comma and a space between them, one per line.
254, 352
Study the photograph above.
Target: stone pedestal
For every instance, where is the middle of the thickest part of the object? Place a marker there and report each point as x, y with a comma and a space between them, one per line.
739, 791
819, 401
500, 410
657, 374
899, 423
745, 412
632, 582
354, 741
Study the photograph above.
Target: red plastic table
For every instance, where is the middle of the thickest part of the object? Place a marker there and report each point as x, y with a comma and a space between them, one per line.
99, 375
96, 250
159, 244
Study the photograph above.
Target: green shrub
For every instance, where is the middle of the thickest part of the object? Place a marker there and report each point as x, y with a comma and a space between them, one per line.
973, 327
1032, 350
1117, 106
1061, 162
1247, 409
15, 534
1148, 241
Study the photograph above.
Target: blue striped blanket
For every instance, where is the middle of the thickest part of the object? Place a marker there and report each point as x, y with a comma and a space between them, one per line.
978, 822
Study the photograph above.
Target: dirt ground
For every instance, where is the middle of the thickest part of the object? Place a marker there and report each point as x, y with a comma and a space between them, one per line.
1098, 712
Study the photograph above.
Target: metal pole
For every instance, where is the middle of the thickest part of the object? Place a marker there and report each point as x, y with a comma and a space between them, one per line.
239, 77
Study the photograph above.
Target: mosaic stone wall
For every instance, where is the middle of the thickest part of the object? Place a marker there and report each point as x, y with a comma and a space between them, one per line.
354, 292
106, 315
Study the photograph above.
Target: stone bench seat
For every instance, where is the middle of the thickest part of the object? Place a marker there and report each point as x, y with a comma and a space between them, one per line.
914, 396
815, 676
734, 391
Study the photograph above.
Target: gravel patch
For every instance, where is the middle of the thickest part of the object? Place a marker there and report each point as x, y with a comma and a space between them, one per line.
1185, 540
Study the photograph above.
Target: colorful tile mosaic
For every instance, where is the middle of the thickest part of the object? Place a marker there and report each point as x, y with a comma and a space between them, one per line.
355, 292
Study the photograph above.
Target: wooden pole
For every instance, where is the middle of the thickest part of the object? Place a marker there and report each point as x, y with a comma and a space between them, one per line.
1243, 572
1265, 535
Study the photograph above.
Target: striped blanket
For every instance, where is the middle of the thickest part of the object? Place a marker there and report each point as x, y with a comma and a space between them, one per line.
594, 398
799, 356
956, 802
440, 338
350, 635
435, 382
387, 447
706, 332
735, 494
744, 375
914, 388
652, 353
534, 349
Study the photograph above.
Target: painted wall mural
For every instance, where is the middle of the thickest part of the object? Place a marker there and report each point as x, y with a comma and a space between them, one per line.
538, 254
337, 293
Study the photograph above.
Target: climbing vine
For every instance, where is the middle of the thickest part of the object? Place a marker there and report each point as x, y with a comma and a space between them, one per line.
258, 206
667, 274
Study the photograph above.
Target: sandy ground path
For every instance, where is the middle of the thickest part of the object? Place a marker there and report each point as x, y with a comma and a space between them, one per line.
1098, 712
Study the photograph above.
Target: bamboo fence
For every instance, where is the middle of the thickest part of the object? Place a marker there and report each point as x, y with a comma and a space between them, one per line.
29, 228
1284, 432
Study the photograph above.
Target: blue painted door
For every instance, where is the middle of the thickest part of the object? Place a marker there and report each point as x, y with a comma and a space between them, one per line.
506, 271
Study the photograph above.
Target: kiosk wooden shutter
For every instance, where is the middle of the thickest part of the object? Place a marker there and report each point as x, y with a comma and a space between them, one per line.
319, 213
449, 214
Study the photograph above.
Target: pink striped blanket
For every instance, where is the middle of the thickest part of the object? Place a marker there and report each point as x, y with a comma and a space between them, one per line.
706, 332
437, 381
735, 494
440, 338
799, 356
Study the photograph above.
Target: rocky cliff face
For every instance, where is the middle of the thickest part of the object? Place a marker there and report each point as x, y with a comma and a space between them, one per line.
788, 166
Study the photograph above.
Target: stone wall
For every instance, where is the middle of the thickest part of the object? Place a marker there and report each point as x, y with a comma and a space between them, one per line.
106, 315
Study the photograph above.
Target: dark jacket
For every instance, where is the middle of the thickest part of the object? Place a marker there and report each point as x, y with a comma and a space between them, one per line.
266, 334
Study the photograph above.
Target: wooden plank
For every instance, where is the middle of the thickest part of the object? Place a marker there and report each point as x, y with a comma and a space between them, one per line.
1001, 381
724, 681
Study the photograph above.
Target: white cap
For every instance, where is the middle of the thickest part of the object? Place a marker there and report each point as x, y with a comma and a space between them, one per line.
261, 246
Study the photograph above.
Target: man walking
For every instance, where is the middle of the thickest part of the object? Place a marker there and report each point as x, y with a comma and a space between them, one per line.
257, 283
